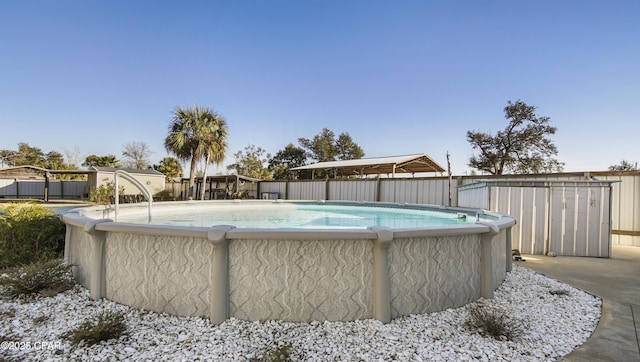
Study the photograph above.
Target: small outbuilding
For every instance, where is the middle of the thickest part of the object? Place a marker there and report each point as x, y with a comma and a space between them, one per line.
564, 217
153, 180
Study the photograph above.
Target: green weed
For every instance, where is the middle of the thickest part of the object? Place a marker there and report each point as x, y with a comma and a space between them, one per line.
48, 278
105, 326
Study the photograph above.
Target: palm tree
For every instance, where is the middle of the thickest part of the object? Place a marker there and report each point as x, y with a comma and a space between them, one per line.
213, 144
195, 133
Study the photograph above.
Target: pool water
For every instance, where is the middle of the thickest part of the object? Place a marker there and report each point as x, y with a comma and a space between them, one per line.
300, 216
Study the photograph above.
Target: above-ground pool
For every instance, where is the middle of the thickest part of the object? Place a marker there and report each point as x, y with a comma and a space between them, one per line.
301, 215
309, 261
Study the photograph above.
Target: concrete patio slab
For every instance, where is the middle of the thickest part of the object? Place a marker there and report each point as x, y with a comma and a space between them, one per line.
617, 281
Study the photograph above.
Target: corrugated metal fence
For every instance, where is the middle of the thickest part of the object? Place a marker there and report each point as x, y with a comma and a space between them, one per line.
625, 210
539, 228
34, 189
434, 191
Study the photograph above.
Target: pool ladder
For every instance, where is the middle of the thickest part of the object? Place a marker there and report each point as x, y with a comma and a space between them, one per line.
127, 176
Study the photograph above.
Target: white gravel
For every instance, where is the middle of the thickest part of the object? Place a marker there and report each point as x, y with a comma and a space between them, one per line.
552, 325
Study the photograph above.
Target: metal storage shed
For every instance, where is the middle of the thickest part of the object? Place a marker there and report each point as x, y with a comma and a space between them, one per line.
153, 180
565, 217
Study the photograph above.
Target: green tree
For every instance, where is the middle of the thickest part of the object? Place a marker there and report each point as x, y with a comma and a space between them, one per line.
136, 155
213, 144
33, 156
522, 147
170, 167
251, 163
624, 166
55, 161
322, 147
347, 148
28, 155
7, 158
101, 161
281, 164
325, 147
189, 138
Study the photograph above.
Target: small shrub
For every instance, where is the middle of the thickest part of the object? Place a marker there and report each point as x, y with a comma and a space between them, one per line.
48, 278
29, 233
560, 292
8, 313
105, 326
40, 319
492, 322
280, 354
102, 195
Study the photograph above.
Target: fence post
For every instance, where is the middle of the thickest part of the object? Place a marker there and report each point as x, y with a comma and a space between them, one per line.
286, 190
326, 189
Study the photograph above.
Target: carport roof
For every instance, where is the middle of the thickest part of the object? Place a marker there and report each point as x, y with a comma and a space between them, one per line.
381, 165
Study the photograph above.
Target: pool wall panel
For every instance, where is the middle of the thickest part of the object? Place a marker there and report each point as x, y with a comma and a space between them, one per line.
159, 273
297, 280
78, 253
434, 273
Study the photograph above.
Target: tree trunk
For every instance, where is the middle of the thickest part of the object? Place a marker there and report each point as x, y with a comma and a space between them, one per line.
192, 177
204, 179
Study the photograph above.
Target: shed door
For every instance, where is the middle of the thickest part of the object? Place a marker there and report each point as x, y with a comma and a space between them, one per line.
530, 207
580, 221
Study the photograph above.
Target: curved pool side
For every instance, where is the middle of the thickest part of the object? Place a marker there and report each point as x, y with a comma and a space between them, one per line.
288, 274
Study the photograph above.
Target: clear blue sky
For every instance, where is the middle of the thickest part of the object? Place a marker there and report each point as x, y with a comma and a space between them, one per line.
401, 77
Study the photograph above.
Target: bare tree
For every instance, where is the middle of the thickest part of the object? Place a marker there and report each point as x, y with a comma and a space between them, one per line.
73, 156
624, 165
522, 147
136, 155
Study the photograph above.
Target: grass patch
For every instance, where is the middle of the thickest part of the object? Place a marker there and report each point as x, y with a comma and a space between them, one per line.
8, 313
280, 354
47, 278
40, 319
105, 326
493, 322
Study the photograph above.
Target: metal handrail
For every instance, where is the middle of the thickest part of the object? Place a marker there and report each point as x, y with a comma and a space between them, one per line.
127, 176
